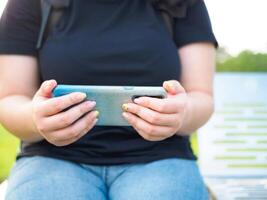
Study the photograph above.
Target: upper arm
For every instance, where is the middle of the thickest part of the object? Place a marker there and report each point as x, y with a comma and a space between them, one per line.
18, 75
19, 29
196, 45
198, 67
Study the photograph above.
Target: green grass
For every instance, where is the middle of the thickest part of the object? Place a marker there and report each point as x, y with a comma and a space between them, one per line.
8, 150
231, 112
257, 127
229, 142
263, 166
225, 126
242, 119
262, 142
260, 111
245, 134
245, 105
194, 144
247, 150
235, 158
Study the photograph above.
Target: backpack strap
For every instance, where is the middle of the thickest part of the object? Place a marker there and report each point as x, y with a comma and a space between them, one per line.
169, 22
171, 9
51, 11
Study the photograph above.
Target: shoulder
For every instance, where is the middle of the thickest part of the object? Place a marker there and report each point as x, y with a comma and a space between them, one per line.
20, 9
19, 26
195, 27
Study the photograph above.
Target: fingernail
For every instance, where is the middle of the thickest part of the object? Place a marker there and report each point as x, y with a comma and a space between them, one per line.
137, 100
81, 96
125, 107
125, 114
95, 121
47, 85
169, 85
51, 81
90, 104
93, 103
96, 114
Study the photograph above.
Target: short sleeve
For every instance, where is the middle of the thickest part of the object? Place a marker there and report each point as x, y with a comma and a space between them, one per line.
19, 27
195, 27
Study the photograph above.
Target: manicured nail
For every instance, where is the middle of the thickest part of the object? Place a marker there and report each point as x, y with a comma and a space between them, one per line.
93, 103
125, 107
125, 114
169, 85
81, 96
137, 100
51, 81
90, 104
47, 85
97, 113
95, 121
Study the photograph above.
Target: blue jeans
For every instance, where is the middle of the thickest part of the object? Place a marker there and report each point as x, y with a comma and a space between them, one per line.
39, 178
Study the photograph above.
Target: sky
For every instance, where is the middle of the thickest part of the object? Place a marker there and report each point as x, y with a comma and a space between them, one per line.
237, 24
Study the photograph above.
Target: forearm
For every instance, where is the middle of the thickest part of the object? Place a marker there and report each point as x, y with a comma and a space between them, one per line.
15, 116
199, 109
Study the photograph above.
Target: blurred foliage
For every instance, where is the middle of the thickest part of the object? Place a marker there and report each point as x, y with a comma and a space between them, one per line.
8, 150
246, 61
194, 145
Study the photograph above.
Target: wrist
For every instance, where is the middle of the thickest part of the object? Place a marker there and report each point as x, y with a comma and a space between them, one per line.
185, 122
34, 134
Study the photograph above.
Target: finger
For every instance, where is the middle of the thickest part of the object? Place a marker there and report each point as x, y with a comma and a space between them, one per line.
74, 139
55, 105
166, 105
45, 90
151, 116
173, 87
146, 130
68, 117
75, 131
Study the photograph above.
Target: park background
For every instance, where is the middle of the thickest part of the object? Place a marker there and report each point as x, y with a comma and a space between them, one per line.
242, 36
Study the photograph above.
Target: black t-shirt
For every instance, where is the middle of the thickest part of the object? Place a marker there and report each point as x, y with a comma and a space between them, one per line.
106, 42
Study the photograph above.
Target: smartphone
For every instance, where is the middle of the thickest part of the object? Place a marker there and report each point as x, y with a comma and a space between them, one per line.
109, 99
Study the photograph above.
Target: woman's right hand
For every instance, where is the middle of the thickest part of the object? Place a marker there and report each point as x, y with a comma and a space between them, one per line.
57, 126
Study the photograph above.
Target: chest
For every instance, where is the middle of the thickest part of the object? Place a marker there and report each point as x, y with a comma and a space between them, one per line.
111, 36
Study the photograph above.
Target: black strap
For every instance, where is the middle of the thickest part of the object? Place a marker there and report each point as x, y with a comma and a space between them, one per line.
169, 21
51, 11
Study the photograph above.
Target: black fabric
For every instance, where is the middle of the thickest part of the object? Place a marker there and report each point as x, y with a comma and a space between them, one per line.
106, 42
176, 8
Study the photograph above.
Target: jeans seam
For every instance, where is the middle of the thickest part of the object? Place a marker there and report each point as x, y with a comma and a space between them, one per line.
105, 174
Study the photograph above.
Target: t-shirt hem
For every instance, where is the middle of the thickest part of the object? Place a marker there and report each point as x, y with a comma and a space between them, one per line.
17, 48
113, 160
204, 37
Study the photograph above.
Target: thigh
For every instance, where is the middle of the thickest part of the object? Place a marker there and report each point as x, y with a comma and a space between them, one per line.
168, 179
47, 178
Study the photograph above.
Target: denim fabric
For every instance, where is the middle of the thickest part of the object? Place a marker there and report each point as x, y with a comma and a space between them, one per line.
41, 178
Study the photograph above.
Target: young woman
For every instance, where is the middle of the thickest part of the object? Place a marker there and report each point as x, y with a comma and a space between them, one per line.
105, 42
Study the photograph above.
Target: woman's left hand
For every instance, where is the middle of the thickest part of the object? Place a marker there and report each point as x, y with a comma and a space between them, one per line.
157, 119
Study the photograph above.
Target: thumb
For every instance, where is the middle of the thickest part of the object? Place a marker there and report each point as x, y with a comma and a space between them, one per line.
45, 90
173, 87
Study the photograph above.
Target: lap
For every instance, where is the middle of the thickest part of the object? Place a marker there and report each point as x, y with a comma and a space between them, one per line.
47, 178
160, 180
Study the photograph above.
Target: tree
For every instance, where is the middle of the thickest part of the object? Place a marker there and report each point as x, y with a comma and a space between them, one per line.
246, 61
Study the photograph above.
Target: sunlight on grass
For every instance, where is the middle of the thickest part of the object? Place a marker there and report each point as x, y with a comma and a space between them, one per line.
8, 150
194, 144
